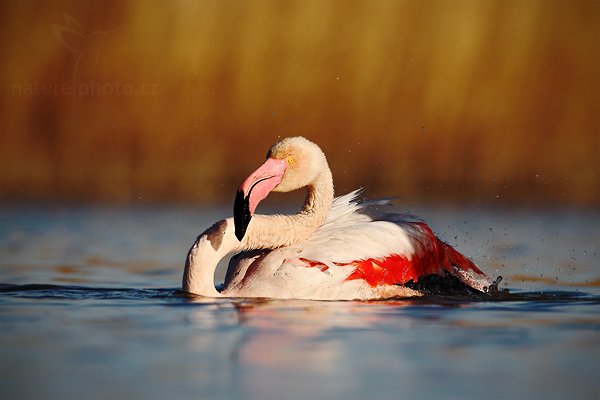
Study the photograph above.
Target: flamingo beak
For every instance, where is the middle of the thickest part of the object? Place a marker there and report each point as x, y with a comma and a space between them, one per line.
253, 190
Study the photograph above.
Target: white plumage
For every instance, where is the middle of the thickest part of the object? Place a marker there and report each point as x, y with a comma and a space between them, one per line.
333, 249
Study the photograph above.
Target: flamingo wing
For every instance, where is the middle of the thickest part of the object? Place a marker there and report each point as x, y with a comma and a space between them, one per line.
384, 248
358, 245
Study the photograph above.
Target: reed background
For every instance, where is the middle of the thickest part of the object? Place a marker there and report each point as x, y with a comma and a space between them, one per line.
456, 101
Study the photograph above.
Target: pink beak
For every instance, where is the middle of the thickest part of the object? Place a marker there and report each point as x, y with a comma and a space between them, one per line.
253, 190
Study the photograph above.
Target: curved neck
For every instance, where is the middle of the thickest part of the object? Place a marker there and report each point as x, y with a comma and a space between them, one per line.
273, 231
204, 255
319, 195
264, 232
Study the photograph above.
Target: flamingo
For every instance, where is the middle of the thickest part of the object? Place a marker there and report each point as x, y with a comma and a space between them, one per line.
333, 249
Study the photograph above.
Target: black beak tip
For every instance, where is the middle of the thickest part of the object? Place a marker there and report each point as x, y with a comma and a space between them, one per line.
241, 214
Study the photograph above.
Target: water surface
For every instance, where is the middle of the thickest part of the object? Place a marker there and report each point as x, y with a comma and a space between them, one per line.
90, 308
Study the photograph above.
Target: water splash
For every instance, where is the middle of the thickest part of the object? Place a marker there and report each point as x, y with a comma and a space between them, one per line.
493, 289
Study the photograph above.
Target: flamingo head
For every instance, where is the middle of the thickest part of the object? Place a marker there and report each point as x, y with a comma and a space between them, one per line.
291, 164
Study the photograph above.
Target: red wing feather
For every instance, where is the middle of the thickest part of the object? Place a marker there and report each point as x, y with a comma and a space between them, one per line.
431, 256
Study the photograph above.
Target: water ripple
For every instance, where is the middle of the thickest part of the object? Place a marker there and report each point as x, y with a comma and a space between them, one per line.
537, 300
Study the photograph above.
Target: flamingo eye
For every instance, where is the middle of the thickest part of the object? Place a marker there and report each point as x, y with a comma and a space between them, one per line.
291, 160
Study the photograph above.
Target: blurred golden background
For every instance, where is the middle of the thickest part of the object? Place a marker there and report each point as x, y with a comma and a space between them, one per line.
459, 101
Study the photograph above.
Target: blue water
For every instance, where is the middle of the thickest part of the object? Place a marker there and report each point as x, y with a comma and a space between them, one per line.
90, 308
